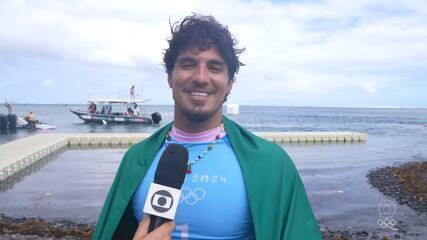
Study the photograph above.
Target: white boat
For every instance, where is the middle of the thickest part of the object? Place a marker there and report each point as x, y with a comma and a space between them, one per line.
232, 109
124, 112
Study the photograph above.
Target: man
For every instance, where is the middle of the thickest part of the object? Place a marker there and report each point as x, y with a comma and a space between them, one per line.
31, 119
132, 93
9, 107
238, 186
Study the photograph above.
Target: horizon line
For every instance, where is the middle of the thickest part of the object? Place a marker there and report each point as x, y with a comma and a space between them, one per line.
246, 105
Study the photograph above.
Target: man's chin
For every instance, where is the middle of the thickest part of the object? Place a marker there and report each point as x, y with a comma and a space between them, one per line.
199, 116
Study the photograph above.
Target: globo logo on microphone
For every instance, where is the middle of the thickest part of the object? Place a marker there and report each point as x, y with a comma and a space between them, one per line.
162, 201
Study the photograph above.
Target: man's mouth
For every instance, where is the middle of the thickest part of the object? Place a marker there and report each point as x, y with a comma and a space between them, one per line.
202, 94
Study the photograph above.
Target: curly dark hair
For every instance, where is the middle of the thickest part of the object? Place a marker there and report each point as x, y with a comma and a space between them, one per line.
202, 32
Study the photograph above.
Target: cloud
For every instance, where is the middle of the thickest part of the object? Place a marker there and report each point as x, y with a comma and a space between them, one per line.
47, 82
307, 47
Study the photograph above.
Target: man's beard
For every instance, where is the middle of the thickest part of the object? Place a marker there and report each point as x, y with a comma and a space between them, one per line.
199, 116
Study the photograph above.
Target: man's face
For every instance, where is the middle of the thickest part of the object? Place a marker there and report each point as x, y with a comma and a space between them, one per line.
199, 83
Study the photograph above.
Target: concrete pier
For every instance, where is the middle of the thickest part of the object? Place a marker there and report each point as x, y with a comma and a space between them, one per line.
17, 155
319, 137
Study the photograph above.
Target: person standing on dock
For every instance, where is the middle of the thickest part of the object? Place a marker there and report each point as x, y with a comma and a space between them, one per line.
238, 185
132, 93
9, 108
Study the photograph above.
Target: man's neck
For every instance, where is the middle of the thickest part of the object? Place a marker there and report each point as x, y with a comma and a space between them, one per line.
205, 136
192, 126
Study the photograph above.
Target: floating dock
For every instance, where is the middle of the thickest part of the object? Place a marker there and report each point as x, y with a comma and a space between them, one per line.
19, 154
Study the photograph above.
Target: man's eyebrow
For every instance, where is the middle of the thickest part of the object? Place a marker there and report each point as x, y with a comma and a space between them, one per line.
185, 59
217, 62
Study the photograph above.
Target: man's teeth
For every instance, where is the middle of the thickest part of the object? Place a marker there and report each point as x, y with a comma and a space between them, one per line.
198, 94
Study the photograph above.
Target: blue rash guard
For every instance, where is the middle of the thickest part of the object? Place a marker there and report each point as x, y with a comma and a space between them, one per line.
213, 203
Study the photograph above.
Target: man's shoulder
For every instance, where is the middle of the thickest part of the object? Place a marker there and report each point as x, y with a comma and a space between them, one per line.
243, 138
260, 157
152, 143
136, 148
272, 151
266, 146
249, 137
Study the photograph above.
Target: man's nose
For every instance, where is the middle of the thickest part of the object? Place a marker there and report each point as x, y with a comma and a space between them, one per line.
202, 75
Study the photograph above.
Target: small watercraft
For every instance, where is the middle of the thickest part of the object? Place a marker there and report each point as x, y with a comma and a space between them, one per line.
11, 123
22, 124
124, 112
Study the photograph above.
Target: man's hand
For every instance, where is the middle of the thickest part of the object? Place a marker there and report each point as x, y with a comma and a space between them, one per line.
163, 232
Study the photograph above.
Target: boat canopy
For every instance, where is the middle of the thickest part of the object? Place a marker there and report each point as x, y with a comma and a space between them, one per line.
118, 101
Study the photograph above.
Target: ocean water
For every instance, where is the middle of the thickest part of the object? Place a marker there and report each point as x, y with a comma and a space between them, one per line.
334, 174
387, 122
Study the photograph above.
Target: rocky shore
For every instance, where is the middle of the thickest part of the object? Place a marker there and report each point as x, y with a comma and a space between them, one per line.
37, 229
406, 183
358, 235
23, 228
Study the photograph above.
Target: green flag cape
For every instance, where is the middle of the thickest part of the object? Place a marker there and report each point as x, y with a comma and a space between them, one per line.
279, 205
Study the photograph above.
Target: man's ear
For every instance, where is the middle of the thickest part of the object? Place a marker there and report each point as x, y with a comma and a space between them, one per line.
230, 85
170, 80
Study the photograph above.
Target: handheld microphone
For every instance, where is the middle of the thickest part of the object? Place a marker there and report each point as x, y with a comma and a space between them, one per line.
164, 193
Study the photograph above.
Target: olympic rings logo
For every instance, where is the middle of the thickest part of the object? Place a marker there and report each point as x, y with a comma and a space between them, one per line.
387, 223
387, 210
191, 197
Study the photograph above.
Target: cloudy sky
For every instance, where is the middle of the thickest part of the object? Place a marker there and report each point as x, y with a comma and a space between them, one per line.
298, 53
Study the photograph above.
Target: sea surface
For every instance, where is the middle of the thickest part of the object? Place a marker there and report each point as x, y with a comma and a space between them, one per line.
73, 184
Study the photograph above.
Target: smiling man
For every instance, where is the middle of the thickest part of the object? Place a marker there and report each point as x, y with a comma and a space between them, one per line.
199, 83
238, 185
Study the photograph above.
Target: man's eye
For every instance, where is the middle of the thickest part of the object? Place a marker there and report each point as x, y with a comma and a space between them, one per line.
187, 65
215, 68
